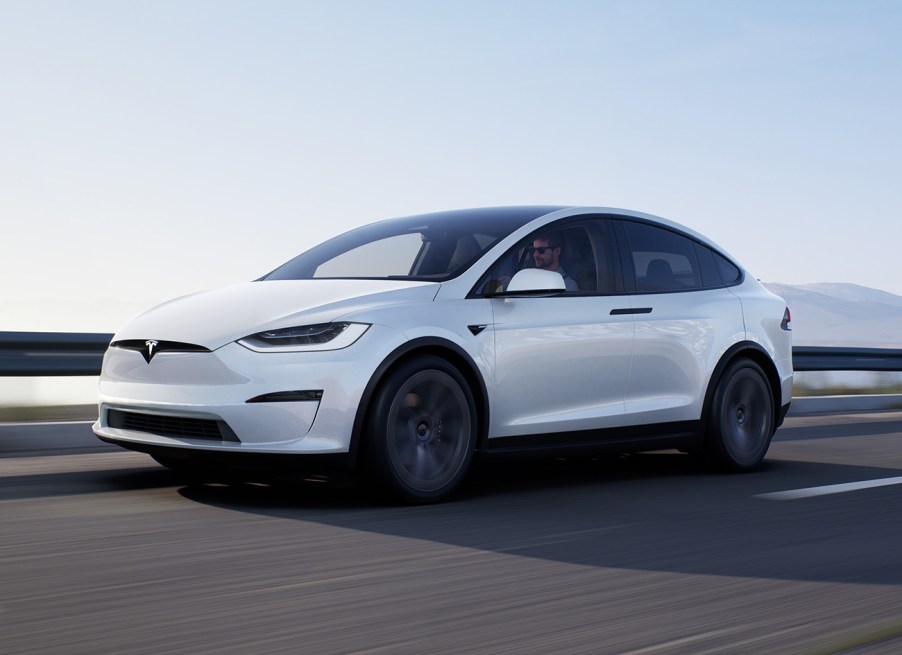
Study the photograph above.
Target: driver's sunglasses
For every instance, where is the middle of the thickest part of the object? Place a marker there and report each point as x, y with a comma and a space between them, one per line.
541, 249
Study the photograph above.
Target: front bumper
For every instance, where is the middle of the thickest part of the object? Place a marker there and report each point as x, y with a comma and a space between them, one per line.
165, 400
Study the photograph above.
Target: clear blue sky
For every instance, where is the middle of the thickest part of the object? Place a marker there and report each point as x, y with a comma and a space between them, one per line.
151, 149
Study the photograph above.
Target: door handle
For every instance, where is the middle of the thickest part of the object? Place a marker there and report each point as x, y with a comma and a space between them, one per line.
630, 310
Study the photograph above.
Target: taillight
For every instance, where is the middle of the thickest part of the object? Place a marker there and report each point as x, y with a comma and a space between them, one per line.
786, 323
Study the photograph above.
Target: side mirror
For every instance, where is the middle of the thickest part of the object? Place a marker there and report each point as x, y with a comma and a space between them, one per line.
535, 282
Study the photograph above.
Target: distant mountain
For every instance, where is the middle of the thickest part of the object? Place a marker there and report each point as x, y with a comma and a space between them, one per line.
853, 292
841, 314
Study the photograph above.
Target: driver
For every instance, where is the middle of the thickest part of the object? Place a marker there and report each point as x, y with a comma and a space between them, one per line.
546, 253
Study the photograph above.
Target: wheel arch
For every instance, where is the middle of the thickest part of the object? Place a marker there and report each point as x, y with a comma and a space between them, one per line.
753, 351
438, 347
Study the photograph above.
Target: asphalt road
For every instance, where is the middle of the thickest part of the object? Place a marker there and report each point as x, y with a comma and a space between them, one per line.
103, 551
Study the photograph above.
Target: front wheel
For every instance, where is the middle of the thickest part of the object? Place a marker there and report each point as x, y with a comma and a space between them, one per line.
741, 417
421, 430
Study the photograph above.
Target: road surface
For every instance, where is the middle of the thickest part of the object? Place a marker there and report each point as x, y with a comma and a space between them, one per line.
104, 551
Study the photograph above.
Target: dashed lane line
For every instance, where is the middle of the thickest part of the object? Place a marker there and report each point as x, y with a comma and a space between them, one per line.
826, 490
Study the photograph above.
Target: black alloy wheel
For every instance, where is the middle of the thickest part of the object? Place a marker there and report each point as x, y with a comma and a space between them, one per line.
741, 418
422, 430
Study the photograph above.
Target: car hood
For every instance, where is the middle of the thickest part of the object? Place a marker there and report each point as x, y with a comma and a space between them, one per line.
215, 318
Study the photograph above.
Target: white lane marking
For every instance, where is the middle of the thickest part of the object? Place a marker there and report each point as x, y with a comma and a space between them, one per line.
25, 424
680, 642
44, 464
826, 490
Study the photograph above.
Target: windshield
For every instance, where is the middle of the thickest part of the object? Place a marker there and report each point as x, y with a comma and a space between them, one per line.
433, 247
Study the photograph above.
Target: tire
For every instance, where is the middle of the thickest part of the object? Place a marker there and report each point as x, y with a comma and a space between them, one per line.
741, 417
421, 432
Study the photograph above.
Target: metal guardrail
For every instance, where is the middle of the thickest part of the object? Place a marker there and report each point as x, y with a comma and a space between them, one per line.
72, 353
51, 353
817, 358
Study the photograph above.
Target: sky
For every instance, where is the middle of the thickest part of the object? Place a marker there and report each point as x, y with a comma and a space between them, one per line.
152, 149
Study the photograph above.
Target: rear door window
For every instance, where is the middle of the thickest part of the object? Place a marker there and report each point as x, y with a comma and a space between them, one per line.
660, 260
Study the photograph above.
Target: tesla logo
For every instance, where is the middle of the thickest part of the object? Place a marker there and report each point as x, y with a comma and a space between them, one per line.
148, 354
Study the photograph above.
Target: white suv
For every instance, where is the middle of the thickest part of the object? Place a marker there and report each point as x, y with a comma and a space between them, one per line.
402, 348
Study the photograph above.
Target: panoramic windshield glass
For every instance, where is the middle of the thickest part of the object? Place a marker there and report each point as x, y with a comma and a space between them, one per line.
433, 247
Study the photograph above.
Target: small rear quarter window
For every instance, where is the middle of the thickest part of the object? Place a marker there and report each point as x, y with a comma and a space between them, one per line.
728, 272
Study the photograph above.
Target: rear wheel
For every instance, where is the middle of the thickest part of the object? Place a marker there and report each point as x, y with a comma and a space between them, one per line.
421, 431
741, 417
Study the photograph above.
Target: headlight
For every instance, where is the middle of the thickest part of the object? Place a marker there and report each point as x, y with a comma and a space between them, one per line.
323, 336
